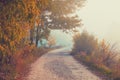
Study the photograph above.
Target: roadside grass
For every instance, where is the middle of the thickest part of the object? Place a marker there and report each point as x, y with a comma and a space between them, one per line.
106, 72
25, 59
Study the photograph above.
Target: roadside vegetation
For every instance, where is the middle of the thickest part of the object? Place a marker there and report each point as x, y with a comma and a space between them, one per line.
99, 56
24, 58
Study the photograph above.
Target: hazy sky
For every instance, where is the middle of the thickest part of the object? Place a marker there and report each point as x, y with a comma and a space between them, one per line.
102, 18
62, 38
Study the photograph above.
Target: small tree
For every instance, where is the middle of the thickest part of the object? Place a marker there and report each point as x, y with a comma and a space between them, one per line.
51, 41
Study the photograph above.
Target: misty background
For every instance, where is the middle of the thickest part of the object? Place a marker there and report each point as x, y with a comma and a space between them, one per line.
100, 18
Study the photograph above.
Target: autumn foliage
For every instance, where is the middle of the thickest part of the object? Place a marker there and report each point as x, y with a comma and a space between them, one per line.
23, 23
17, 17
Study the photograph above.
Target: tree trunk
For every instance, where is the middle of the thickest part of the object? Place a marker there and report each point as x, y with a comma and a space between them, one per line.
37, 36
31, 36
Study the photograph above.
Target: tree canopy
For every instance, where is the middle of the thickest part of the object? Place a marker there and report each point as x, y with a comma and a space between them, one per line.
60, 11
16, 18
56, 15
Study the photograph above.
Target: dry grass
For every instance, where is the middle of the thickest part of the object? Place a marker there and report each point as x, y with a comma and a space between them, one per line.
25, 59
101, 58
18, 66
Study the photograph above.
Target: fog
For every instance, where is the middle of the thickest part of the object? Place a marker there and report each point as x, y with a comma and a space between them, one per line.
100, 18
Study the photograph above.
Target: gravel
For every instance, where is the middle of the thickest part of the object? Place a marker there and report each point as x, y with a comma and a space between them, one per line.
59, 65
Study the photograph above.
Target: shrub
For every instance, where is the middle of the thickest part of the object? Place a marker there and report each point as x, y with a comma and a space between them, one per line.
84, 42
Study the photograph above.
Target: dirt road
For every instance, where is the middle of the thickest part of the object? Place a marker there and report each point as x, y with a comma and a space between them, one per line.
59, 65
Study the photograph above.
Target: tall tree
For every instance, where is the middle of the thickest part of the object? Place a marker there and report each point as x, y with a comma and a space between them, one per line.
40, 31
16, 18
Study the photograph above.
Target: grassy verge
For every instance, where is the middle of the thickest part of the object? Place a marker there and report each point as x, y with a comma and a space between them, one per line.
23, 68
99, 69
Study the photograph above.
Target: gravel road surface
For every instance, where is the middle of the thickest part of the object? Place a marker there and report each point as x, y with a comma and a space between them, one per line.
59, 65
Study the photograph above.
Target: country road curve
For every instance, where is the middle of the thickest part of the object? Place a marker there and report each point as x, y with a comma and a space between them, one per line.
59, 65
